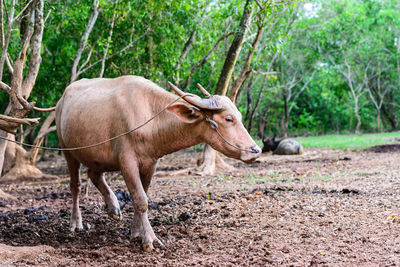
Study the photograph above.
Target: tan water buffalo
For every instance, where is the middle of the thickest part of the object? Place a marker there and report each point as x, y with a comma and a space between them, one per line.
94, 110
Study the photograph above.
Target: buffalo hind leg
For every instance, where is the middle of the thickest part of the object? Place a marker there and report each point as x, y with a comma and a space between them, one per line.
112, 205
141, 226
75, 186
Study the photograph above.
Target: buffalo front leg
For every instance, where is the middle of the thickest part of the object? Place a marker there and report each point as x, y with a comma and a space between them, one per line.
75, 186
146, 173
141, 226
112, 205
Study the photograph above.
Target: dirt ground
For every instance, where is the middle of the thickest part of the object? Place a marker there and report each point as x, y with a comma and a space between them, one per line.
326, 207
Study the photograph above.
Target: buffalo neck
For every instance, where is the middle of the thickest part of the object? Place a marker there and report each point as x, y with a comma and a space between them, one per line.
170, 133
176, 137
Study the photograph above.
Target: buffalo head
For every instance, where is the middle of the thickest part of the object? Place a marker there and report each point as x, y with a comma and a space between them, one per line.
222, 123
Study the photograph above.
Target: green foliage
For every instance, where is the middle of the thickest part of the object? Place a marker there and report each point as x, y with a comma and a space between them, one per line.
301, 40
334, 38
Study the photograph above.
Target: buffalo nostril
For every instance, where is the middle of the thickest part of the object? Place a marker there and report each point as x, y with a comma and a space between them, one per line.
255, 149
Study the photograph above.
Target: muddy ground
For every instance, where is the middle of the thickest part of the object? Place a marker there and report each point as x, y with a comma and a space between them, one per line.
326, 207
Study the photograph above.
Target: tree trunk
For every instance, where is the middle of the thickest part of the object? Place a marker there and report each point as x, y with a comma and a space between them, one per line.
36, 44
92, 20
234, 50
254, 109
24, 168
189, 42
357, 115
246, 67
378, 122
285, 119
263, 123
9, 155
211, 159
249, 109
21, 88
358, 126
350, 124
285, 126
110, 34
6, 41
5, 162
202, 61
244, 88
388, 113
4, 144
43, 132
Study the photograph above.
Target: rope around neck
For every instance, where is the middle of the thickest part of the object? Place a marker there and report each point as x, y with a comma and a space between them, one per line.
97, 144
213, 126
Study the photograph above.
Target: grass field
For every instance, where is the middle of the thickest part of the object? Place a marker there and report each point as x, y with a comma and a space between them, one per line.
350, 141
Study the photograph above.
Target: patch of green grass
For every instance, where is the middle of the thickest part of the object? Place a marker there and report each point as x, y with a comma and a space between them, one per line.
222, 178
253, 178
274, 174
318, 176
350, 141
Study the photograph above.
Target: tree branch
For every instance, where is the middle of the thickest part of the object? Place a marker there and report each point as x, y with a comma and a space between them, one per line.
16, 83
189, 42
8, 128
5, 8
202, 61
36, 44
6, 41
265, 73
9, 64
83, 41
300, 91
46, 132
259, 5
246, 67
25, 104
110, 34
27, 121
113, 55
234, 50
5, 87
86, 61
22, 11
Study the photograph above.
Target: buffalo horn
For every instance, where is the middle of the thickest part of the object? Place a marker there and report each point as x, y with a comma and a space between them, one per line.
210, 103
204, 91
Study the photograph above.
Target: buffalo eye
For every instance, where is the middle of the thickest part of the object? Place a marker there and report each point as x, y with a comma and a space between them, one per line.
228, 119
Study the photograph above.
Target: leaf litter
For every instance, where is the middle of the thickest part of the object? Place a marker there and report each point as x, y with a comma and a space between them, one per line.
326, 207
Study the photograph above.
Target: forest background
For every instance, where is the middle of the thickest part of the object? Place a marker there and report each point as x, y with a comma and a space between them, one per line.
305, 67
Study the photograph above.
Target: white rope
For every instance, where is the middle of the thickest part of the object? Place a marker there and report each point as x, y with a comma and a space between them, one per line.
213, 125
97, 144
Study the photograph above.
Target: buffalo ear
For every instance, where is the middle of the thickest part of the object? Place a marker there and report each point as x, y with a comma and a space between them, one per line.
186, 113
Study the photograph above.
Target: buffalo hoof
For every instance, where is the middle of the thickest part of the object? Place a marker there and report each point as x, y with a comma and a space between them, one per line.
75, 226
114, 213
76, 222
148, 247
